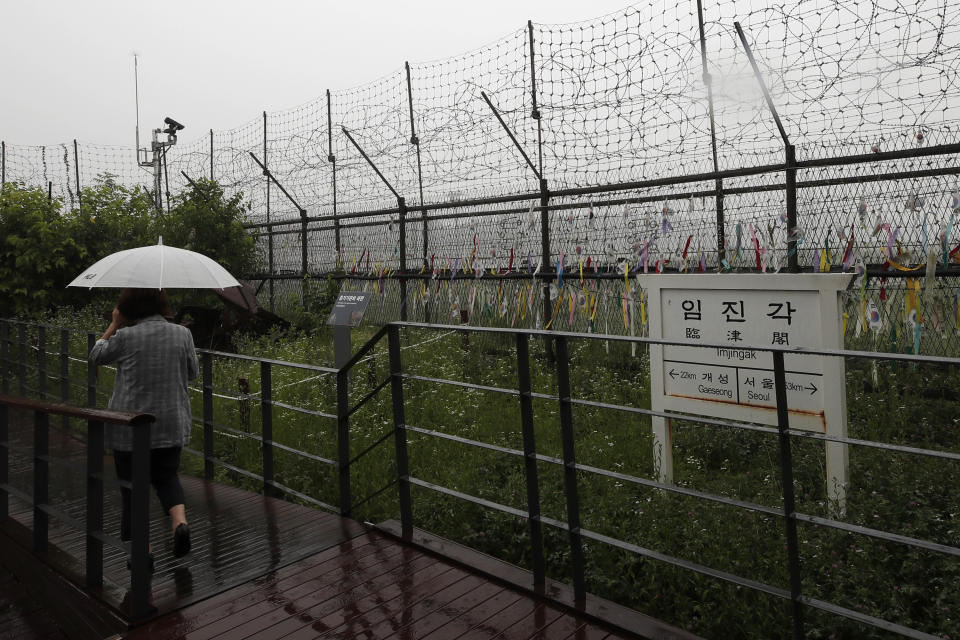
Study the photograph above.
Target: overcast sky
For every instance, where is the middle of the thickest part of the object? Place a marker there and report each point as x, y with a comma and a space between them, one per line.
67, 65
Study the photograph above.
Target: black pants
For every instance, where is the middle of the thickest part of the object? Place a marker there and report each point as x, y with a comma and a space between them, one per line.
164, 464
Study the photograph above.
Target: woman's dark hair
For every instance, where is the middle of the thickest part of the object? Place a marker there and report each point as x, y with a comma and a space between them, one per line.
136, 304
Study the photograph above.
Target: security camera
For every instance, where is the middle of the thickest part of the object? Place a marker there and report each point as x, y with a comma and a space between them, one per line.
173, 127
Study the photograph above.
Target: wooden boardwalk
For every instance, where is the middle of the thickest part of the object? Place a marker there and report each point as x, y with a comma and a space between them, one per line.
265, 568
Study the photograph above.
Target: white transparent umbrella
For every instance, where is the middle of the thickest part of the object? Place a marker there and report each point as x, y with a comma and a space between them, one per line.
156, 267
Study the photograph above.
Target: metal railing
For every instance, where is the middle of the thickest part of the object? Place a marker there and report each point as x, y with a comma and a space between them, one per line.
574, 472
92, 525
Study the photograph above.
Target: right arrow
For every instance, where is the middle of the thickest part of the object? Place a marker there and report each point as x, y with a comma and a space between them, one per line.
812, 388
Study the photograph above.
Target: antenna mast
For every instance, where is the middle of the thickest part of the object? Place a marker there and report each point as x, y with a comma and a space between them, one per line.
157, 147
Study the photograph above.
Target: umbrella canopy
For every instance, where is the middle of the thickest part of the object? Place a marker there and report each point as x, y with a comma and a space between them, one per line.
156, 267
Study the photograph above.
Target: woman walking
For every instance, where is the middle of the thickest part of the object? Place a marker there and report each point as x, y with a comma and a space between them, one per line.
154, 361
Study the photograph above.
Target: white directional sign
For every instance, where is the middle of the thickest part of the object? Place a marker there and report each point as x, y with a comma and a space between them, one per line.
733, 375
729, 380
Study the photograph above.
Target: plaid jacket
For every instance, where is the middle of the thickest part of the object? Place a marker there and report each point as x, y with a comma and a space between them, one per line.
154, 360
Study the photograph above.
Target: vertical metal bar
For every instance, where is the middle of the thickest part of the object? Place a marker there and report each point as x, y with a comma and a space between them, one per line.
4, 461
400, 433
42, 362
266, 165
266, 421
76, 169
530, 458
140, 523
4, 356
415, 140
41, 478
94, 503
91, 373
343, 441
545, 246
793, 260
402, 205
332, 159
303, 243
166, 178
570, 471
22, 338
3, 163
65, 372
211, 155
535, 112
707, 80
789, 505
206, 361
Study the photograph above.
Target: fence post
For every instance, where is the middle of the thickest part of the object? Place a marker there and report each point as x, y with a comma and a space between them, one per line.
790, 166
708, 81
4, 356
94, 503
544, 191
4, 461
415, 141
42, 362
207, 380
91, 373
266, 164
530, 458
400, 433
570, 470
41, 478
343, 439
211, 155
789, 506
65, 371
76, 170
3, 163
22, 361
140, 523
793, 259
332, 159
266, 421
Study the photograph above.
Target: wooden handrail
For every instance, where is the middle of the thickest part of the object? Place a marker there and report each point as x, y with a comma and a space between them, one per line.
131, 418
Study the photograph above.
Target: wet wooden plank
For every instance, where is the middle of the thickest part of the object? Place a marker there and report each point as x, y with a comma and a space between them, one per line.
265, 569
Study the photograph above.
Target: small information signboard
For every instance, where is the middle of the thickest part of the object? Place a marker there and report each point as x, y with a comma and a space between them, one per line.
349, 308
733, 382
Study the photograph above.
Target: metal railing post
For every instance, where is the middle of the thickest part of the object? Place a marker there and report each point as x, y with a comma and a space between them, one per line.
789, 506
5, 357
42, 362
4, 461
400, 433
140, 524
207, 380
266, 421
91, 373
41, 478
530, 458
65, 371
343, 440
22, 358
570, 470
94, 503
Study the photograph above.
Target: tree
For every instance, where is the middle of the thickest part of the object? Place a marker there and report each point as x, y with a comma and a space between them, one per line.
35, 250
203, 219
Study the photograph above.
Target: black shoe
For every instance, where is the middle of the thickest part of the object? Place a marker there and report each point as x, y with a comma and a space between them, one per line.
150, 565
181, 541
